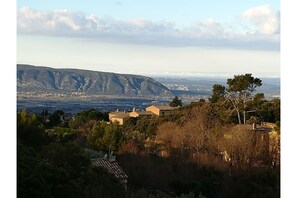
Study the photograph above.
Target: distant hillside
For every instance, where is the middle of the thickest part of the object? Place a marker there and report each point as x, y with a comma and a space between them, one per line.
45, 79
203, 85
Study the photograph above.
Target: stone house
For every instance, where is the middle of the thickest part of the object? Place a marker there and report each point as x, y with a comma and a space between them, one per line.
136, 114
160, 109
118, 117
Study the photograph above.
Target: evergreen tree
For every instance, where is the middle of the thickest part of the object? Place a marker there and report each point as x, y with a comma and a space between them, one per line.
176, 102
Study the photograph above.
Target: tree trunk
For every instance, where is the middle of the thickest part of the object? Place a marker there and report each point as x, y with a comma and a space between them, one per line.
238, 116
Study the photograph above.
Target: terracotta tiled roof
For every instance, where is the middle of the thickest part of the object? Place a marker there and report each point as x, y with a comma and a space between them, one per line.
113, 167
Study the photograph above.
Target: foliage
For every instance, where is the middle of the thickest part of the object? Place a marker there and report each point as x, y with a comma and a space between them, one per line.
195, 133
29, 130
176, 102
105, 137
170, 175
132, 146
86, 116
68, 156
56, 118
277, 127
148, 193
62, 134
29, 181
252, 183
112, 137
59, 169
62, 170
243, 83
218, 92
239, 91
238, 98
100, 183
149, 125
182, 176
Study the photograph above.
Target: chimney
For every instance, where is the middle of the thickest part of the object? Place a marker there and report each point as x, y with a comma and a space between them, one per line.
112, 157
134, 109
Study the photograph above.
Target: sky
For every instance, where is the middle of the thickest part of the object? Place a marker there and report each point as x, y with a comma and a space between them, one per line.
156, 37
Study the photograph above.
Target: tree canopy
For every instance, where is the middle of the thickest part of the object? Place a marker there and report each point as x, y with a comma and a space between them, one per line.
176, 102
218, 92
238, 92
86, 116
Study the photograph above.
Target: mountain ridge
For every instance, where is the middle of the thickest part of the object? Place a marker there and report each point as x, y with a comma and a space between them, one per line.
40, 79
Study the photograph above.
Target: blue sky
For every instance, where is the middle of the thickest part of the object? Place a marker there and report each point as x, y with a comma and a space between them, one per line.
191, 37
173, 10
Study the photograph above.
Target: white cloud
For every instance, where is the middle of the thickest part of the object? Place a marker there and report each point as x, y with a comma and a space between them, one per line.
57, 22
143, 31
265, 19
205, 29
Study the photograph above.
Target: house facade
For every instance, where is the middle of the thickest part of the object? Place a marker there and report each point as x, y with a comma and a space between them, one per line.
160, 109
118, 117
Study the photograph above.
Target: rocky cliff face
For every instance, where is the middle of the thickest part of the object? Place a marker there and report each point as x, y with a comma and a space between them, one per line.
45, 79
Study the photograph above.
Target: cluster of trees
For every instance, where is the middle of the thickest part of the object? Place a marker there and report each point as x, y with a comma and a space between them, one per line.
238, 99
197, 151
50, 168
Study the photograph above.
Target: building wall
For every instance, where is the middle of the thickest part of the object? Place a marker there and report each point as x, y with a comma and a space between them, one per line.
133, 114
110, 115
164, 112
118, 116
119, 120
157, 111
153, 109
